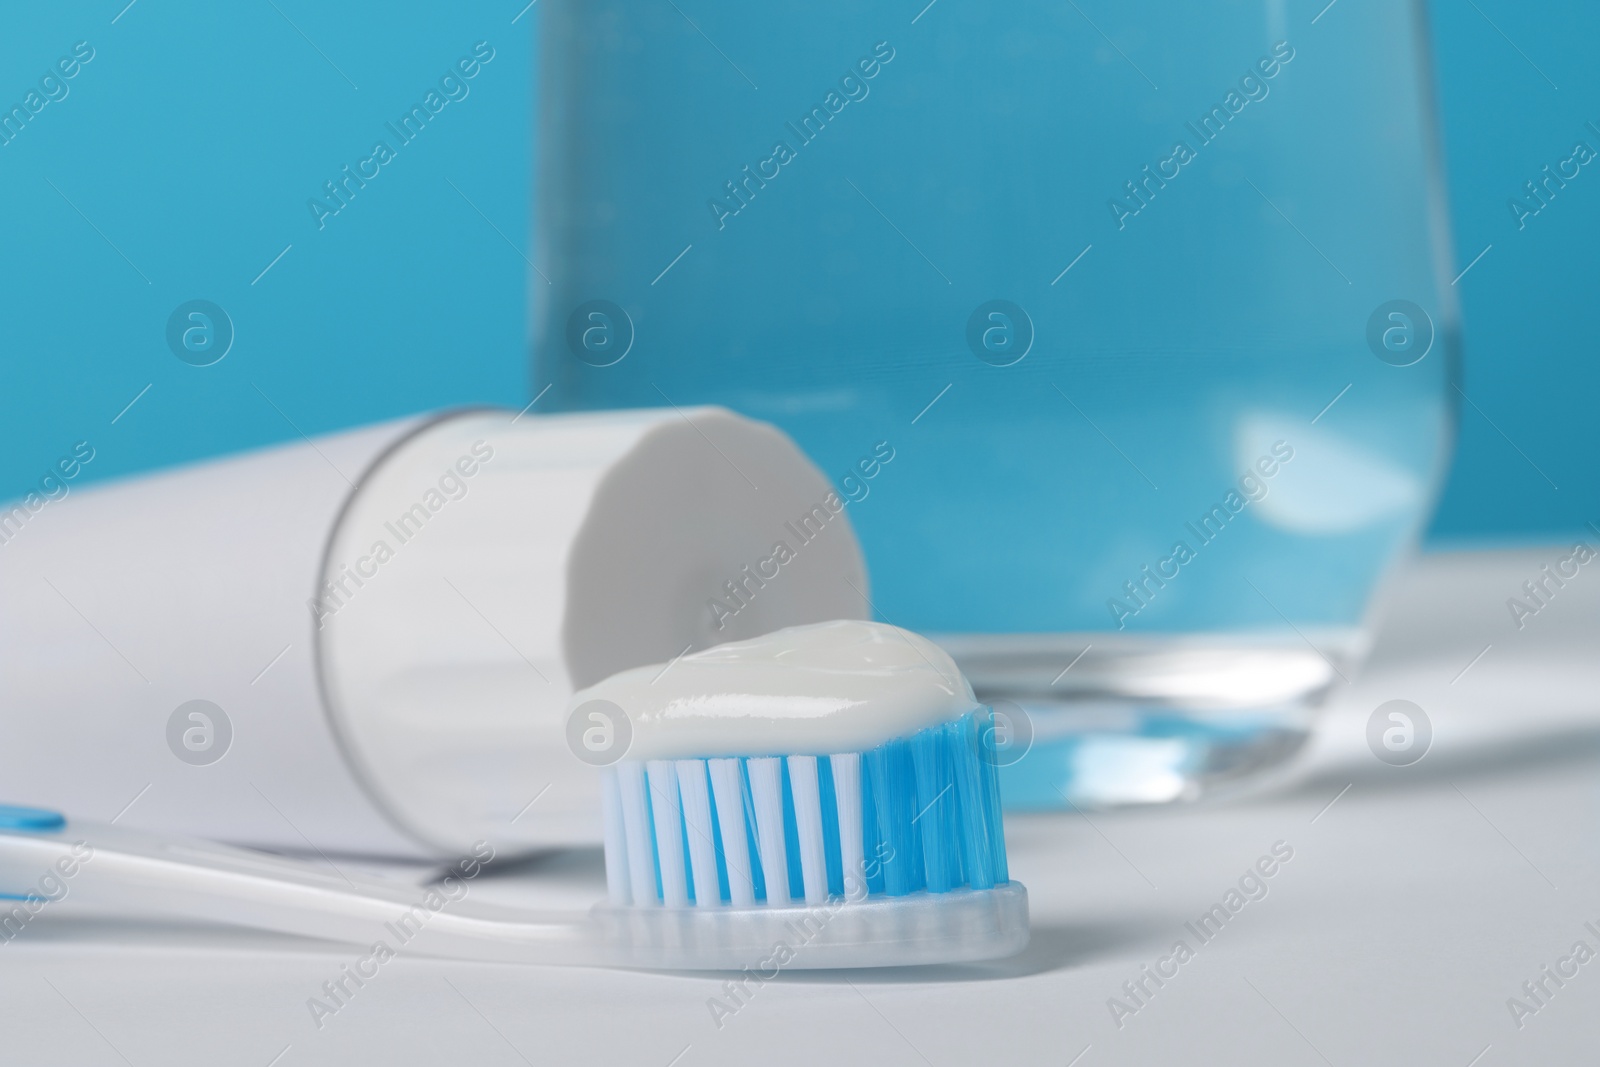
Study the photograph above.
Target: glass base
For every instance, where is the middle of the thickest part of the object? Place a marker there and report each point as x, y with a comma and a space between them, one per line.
1102, 720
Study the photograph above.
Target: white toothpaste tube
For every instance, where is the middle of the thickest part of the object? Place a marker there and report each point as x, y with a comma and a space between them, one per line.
367, 642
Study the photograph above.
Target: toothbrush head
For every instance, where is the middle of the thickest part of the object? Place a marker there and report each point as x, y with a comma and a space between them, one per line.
868, 854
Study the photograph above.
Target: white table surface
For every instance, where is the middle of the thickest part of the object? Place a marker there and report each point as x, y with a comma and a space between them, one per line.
1413, 908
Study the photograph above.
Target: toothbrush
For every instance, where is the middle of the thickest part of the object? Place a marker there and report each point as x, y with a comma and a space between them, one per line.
880, 854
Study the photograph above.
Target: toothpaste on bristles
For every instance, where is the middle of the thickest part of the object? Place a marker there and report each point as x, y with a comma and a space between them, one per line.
840, 760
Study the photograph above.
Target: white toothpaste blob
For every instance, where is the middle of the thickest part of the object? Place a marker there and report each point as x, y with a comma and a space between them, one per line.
817, 690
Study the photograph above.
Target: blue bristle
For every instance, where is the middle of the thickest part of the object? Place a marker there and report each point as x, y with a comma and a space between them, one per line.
722, 859
976, 852
941, 850
683, 839
871, 834
757, 876
791, 837
649, 814
894, 783
930, 812
990, 803
830, 827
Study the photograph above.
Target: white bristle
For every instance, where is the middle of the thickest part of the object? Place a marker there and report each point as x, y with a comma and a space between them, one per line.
668, 814
616, 838
808, 821
727, 786
766, 792
697, 819
847, 797
636, 828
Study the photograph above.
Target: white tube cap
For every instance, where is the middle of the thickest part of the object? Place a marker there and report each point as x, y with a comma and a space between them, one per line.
489, 566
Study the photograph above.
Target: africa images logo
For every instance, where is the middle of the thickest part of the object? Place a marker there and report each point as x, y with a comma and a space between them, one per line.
1399, 733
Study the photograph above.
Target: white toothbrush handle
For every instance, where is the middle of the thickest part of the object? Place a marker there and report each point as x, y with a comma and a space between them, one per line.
129, 873
140, 875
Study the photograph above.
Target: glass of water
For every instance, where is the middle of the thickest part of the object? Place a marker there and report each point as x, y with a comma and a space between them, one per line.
1125, 330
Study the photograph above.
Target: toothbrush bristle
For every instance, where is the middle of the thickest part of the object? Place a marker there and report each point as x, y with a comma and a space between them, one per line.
915, 813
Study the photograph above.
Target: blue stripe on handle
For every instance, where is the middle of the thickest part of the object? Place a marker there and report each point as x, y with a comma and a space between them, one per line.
36, 819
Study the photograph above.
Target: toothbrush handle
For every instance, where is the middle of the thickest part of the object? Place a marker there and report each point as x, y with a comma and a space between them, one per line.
110, 869
139, 875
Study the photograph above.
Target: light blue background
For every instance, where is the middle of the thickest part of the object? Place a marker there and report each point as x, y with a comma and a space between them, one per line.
1528, 305
193, 141
189, 147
